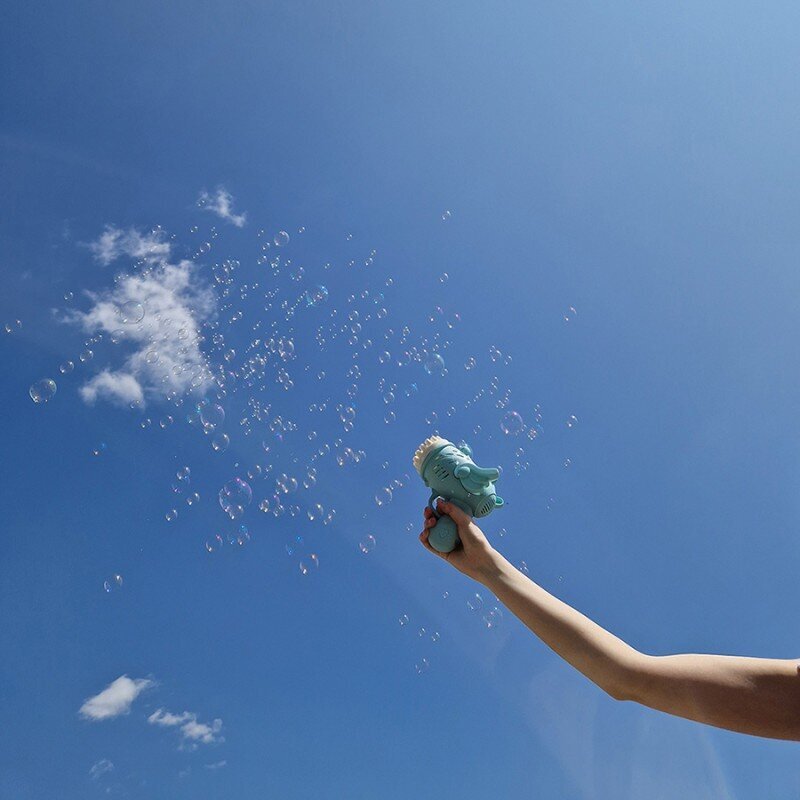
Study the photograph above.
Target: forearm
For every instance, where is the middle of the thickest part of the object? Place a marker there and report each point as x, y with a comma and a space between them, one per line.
758, 696
602, 657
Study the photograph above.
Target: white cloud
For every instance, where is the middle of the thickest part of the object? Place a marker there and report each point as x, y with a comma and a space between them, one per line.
101, 768
217, 765
115, 242
221, 204
192, 731
121, 387
159, 311
115, 699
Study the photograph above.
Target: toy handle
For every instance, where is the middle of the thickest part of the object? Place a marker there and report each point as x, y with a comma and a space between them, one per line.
443, 536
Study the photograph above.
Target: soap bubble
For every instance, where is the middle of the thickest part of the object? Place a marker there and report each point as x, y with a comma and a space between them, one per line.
434, 364
511, 424
475, 603
493, 618
383, 496
234, 497
114, 582
43, 390
403, 620
367, 544
100, 449
443, 278
470, 363
311, 564
570, 314
86, 355
66, 367
281, 239
446, 215
171, 515
422, 666
316, 296
572, 421
220, 442
131, 312
212, 414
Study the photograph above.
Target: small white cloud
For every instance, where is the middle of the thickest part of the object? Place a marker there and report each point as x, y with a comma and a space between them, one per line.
192, 731
221, 204
115, 242
217, 765
159, 311
100, 768
115, 699
120, 387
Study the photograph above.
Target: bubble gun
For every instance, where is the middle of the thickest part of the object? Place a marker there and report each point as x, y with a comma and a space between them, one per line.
451, 474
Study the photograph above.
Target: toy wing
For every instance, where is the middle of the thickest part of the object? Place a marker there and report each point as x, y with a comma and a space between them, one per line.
475, 479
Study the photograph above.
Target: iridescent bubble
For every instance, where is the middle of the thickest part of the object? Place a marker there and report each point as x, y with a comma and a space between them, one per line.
171, 515
86, 355
383, 496
193, 499
511, 424
434, 364
475, 603
66, 367
367, 544
316, 296
131, 312
212, 414
114, 582
315, 512
220, 442
234, 497
281, 239
43, 390
572, 421
493, 618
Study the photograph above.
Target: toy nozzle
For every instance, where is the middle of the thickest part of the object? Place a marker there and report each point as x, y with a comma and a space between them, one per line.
429, 444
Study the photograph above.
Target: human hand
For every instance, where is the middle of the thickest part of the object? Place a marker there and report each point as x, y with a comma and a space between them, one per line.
475, 557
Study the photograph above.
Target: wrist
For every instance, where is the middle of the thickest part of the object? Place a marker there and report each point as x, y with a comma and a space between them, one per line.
493, 569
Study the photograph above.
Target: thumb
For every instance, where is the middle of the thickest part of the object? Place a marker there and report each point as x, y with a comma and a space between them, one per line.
460, 517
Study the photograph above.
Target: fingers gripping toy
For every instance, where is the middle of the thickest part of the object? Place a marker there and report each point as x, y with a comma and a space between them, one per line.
451, 474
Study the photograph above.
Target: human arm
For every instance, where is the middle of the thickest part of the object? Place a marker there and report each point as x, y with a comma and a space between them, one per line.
758, 696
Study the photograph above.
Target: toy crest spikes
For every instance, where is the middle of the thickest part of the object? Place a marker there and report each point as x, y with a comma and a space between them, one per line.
451, 473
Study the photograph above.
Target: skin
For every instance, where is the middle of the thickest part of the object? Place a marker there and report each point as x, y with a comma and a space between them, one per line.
757, 696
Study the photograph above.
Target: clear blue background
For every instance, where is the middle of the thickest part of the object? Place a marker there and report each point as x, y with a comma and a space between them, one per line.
634, 160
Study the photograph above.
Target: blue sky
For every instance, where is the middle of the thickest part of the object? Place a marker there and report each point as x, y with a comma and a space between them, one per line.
636, 163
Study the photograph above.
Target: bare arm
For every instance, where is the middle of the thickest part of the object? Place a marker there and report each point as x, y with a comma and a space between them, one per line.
758, 696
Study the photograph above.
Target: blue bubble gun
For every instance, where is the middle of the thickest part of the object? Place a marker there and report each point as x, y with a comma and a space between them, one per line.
450, 473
